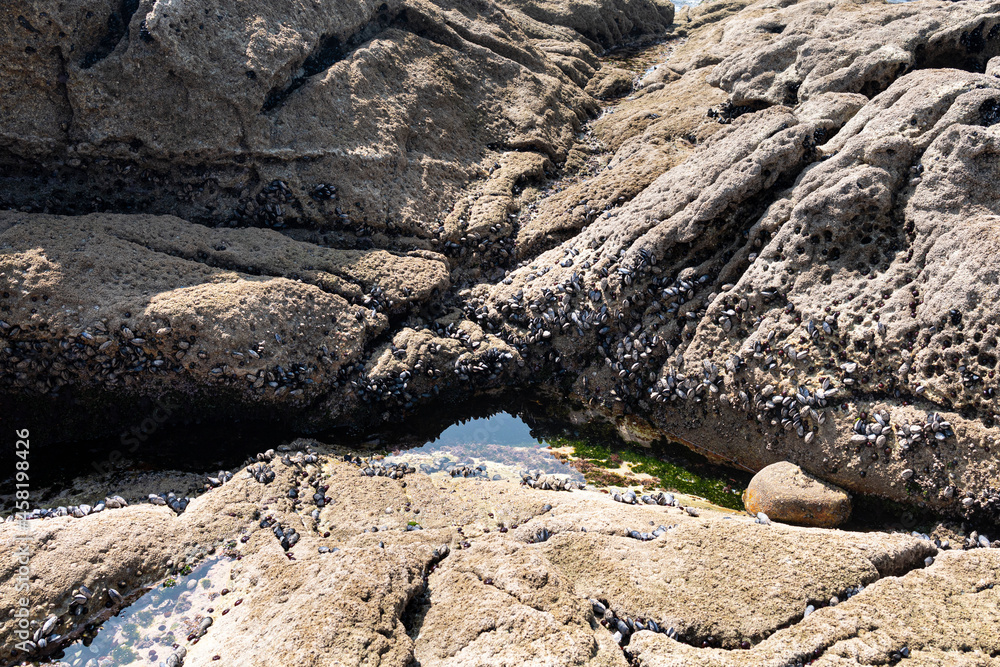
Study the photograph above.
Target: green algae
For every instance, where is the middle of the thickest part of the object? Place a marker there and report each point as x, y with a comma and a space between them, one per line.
721, 490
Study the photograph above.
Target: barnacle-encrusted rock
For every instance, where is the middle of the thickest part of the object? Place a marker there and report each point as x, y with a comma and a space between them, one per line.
777, 236
238, 316
773, 250
816, 259
199, 105
350, 595
359, 130
785, 492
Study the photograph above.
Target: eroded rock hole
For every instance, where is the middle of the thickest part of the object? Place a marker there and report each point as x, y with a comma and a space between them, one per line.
118, 23
989, 112
970, 52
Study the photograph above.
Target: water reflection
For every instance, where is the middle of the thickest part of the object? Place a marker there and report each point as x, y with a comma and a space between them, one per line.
147, 631
495, 448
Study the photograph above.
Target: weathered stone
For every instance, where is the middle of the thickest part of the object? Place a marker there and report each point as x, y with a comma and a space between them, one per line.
785, 492
211, 103
184, 307
777, 239
818, 177
610, 82
647, 136
497, 596
607, 22
811, 235
881, 621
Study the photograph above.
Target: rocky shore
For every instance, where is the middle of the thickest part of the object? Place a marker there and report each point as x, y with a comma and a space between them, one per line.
769, 236
777, 234
335, 564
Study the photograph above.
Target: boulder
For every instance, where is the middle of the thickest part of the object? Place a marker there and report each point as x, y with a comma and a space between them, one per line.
785, 492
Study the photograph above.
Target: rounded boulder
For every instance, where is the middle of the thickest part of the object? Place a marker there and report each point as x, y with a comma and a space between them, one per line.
787, 493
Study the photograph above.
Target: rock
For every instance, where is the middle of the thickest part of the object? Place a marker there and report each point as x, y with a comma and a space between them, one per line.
295, 92
606, 22
502, 595
892, 607
804, 206
660, 74
743, 265
185, 307
300, 139
610, 82
789, 60
647, 136
787, 493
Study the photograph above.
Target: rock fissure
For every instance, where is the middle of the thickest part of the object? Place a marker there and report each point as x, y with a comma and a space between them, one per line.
331, 50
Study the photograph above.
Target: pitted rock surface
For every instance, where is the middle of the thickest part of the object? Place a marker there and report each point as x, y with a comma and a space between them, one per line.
787, 280
780, 235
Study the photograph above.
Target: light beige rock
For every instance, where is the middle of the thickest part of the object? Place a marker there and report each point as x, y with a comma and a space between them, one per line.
817, 47
883, 619
497, 598
646, 137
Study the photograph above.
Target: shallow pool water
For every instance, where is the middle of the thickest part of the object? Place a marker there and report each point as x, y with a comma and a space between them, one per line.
145, 632
501, 444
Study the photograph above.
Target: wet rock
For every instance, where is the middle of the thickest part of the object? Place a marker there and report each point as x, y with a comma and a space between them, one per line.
787, 493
